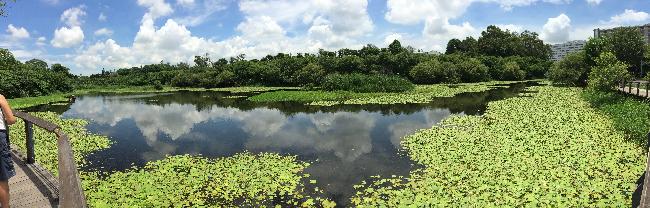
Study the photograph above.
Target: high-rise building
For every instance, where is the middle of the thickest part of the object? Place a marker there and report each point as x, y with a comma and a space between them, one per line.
561, 50
644, 29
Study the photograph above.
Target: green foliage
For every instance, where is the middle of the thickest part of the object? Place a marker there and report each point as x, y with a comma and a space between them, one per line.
503, 43
310, 75
186, 181
549, 149
157, 85
626, 43
45, 143
27, 81
421, 94
30, 79
512, 71
572, 70
366, 83
608, 73
37, 63
628, 115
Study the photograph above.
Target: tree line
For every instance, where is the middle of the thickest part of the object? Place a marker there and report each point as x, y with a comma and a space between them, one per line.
495, 55
32, 78
605, 61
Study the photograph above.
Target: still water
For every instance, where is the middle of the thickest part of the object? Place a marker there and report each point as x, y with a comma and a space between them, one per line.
344, 144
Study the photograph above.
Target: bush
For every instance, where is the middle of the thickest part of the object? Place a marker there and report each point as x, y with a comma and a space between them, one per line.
512, 71
310, 74
366, 83
471, 70
157, 85
572, 70
434, 72
29, 82
607, 73
628, 115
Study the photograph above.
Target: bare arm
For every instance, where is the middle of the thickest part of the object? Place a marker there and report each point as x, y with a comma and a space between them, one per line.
6, 111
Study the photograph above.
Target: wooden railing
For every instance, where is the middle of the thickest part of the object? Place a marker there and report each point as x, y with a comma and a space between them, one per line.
635, 84
70, 192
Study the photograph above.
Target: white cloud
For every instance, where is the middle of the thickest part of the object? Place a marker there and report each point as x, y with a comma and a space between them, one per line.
53, 2
103, 32
156, 8
392, 37
185, 3
330, 23
200, 14
40, 41
557, 29
594, 2
629, 16
72, 17
66, 37
17, 32
511, 27
102, 17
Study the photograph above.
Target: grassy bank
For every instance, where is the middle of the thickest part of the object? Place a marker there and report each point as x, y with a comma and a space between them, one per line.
421, 94
549, 149
26, 102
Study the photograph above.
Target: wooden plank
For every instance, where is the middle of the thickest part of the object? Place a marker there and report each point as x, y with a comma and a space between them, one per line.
71, 194
29, 188
37, 121
645, 194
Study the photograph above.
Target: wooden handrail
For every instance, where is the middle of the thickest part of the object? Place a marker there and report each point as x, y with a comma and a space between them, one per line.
70, 191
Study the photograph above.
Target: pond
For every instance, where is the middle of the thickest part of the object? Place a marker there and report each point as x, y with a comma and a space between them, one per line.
345, 144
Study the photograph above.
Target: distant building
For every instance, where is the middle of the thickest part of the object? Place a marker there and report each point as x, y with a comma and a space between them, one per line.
644, 29
561, 50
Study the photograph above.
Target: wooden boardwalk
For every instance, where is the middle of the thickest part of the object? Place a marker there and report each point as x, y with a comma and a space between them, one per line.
641, 92
33, 186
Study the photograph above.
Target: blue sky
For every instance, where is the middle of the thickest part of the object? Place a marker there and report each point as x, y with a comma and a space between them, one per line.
89, 36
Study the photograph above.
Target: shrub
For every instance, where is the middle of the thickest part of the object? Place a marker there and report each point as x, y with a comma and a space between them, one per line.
572, 70
512, 71
472, 70
157, 85
311, 73
434, 72
366, 83
607, 73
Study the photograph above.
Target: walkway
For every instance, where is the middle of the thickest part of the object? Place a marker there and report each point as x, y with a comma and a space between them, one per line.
636, 88
33, 186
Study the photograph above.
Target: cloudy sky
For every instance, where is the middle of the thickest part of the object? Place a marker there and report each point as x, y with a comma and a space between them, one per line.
94, 34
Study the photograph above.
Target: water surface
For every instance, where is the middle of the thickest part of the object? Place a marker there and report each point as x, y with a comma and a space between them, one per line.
345, 144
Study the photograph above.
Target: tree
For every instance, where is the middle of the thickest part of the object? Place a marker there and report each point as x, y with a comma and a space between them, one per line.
593, 48
469, 46
572, 70
454, 46
628, 45
496, 42
60, 68
310, 74
37, 63
531, 46
3, 5
202, 61
608, 72
7, 60
395, 47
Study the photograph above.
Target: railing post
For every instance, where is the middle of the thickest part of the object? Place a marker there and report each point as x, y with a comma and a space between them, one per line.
647, 85
638, 84
629, 89
29, 142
